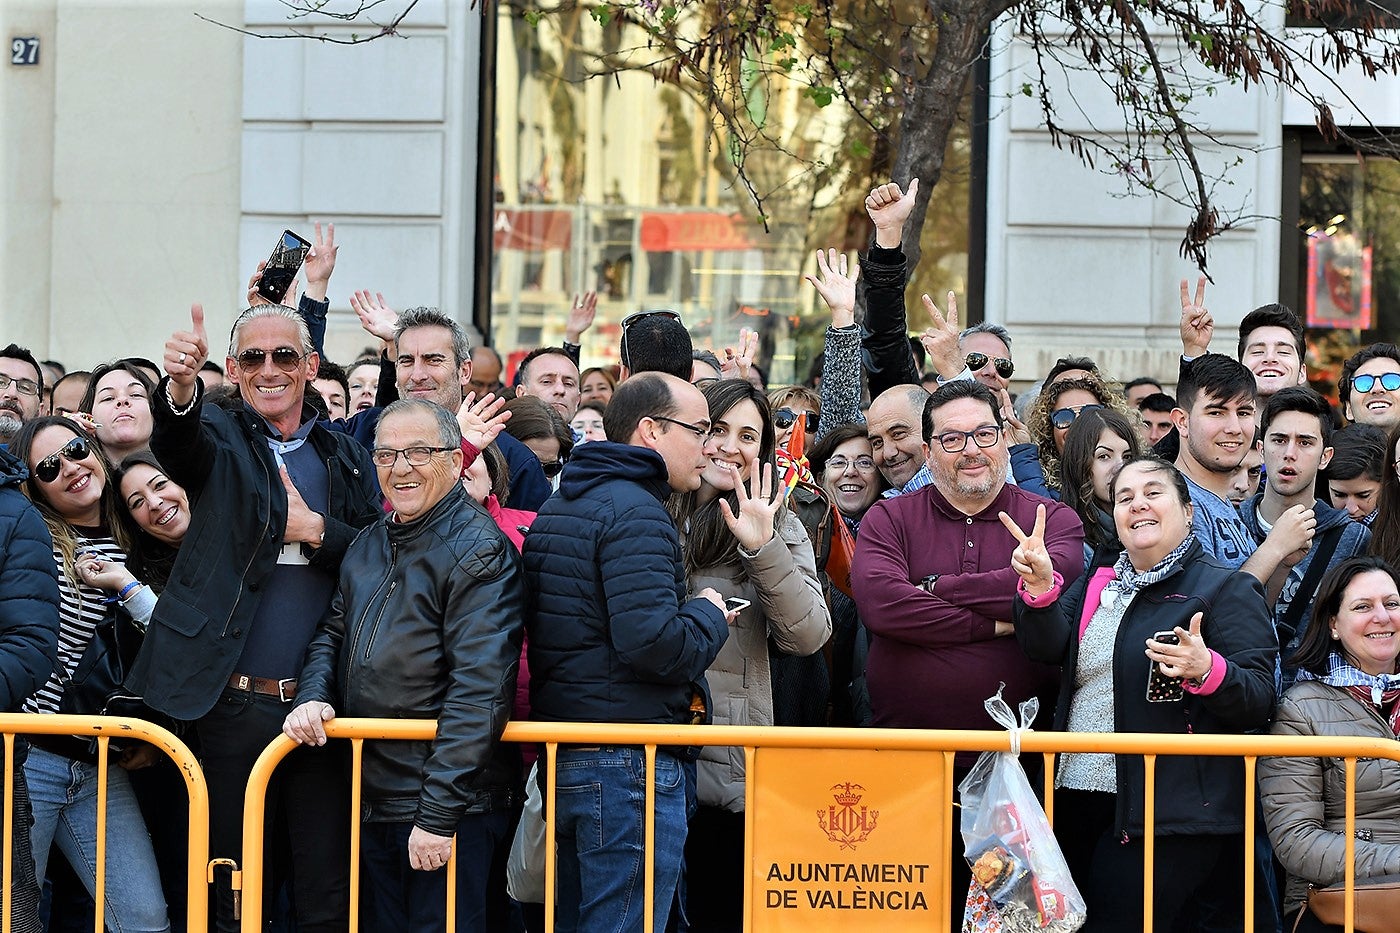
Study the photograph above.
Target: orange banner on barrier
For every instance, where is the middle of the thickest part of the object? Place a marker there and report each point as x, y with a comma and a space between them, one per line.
848, 840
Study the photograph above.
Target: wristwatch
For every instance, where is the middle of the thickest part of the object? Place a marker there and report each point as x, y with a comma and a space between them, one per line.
926, 584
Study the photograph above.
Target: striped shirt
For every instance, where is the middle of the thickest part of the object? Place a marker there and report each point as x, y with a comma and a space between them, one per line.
80, 609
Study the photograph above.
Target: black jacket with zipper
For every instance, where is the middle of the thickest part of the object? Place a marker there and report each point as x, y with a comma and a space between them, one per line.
427, 623
238, 513
1196, 794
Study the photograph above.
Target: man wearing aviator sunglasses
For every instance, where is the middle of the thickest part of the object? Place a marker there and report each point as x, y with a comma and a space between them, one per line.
277, 500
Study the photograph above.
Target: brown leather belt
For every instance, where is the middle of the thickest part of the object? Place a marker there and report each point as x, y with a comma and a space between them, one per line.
283, 690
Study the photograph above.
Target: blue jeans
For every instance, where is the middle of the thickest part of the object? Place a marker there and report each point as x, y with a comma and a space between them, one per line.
600, 799
63, 794
398, 897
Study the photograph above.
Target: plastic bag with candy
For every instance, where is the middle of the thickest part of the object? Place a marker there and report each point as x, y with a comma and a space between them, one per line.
1020, 882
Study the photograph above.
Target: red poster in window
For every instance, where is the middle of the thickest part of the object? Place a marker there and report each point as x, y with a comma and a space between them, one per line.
535, 231
695, 231
1339, 282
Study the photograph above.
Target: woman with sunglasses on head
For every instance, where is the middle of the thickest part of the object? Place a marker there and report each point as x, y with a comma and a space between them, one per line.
739, 537
1166, 639
1096, 446
70, 484
1348, 685
1054, 410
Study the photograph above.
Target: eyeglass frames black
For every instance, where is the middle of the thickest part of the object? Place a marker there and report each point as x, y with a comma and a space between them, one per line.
700, 431
416, 456
22, 386
46, 470
954, 441
633, 318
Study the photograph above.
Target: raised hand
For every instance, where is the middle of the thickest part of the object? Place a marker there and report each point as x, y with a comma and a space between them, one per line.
256, 298
581, 315
185, 353
1030, 559
837, 288
376, 317
735, 363
1189, 660
319, 265
481, 421
1013, 426
1197, 326
889, 208
758, 508
303, 525
941, 339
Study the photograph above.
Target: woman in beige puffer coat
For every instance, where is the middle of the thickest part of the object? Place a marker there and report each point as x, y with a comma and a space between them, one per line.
738, 536
1347, 686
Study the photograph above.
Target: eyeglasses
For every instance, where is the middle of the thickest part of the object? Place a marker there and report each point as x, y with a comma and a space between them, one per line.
954, 441
1389, 381
78, 448
1064, 417
633, 318
416, 456
862, 463
976, 361
701, 431
785, 418
284, 358
552, 468
22, 386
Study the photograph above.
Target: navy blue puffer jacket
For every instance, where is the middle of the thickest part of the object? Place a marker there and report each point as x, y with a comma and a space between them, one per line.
28, 591
612, 637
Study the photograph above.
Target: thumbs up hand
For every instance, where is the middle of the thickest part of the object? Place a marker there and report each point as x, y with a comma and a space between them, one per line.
185, 353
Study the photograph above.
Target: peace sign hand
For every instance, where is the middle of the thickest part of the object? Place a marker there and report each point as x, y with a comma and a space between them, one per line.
1197, 326
758, 508
941, 340
1189, 660
1030, 559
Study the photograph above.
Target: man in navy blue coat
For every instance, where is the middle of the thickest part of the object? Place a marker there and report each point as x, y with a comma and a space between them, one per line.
613, 638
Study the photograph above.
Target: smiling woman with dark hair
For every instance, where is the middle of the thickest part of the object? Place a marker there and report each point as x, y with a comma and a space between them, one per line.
1348, 685
739, 537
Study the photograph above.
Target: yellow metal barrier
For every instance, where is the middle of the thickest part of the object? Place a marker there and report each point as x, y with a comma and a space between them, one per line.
104, 729
752, 738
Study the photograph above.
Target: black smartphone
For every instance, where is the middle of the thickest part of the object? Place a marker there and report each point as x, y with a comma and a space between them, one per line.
282, 266
1160, 687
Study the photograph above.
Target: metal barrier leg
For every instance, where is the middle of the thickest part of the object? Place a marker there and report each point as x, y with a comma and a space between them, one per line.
7, 903
357, 750
99, 895
551, 756
649, 843
1249, 855
1149, 836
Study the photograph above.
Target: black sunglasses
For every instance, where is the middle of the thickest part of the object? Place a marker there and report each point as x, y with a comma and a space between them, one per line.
1064, 417
552, 468
976, 361
785, 418
46, 470
284, 358
633, 318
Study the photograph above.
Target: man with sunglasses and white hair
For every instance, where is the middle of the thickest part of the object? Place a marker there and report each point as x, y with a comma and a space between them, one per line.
277, 500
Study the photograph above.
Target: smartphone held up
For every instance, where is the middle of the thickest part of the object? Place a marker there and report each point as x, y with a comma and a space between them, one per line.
282, 266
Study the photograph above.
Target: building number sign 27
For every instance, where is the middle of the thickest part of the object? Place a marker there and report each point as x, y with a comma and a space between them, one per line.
24, 50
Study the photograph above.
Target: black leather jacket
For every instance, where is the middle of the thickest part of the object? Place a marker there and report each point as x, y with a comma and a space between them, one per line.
427, 623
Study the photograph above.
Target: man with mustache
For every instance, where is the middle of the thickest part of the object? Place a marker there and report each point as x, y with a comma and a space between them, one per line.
21, 386
933, 579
